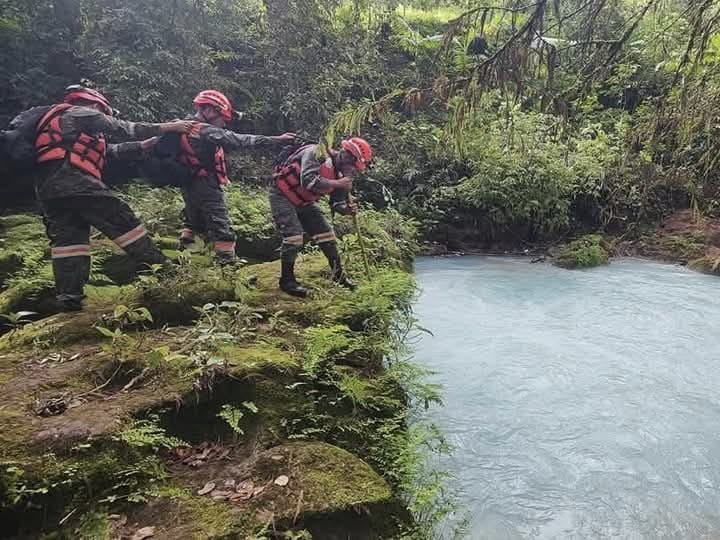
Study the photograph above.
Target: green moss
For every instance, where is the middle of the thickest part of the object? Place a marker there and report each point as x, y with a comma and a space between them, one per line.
334, 478
173, 299
374, 302
23, 246
31, 292
585, 252
183, 515
58, 330
10, 262
682, 248
322, 343
283, 356
330, 479
257, 358
211, 519
323, 479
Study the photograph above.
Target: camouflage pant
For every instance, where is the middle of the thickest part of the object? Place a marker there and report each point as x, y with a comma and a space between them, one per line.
68, 221
206, 214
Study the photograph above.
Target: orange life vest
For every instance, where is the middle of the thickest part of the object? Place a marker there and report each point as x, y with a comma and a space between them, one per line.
287, 180
87, 152
188, 157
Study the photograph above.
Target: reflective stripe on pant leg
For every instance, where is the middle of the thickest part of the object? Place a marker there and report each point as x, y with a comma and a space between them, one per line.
295, 240
187, 235
324, 237
64, 252
131, 236
291, 244
224, 247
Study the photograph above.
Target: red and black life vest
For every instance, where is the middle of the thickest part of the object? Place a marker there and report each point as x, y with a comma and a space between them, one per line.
87, 152
189, 157
287, 179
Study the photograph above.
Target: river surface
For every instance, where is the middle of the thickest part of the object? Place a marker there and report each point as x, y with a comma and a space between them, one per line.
580, 404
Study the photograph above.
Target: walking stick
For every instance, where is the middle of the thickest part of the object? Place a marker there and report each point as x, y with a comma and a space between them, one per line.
361, 241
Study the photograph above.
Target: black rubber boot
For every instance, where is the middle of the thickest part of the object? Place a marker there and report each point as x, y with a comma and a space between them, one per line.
288, 283
184, 243
344, 281
224, 258
145, 251
69, 303
71, 274
338, 274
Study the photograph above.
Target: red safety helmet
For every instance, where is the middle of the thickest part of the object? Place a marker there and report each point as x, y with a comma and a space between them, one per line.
218, 100
77, 92
360, 149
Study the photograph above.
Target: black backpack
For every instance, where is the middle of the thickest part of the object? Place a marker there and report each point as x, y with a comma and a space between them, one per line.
162, 167
17, 143
285, 152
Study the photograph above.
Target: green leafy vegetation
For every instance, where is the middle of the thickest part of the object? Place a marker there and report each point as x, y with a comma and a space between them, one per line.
586, 252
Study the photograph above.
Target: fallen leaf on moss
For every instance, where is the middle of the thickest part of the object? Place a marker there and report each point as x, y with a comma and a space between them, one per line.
282, 480
207, 488
142, 534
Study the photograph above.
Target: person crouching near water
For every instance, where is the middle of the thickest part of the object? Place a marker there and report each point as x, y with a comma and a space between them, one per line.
300, 181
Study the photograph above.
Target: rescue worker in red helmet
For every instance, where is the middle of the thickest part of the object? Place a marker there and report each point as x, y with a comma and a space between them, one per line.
202, 151
71, 150
300, 181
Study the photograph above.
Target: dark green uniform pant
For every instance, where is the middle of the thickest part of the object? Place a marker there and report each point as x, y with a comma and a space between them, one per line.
68, 221
206, 214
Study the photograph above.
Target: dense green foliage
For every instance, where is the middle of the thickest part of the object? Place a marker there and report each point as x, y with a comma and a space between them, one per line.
564, 116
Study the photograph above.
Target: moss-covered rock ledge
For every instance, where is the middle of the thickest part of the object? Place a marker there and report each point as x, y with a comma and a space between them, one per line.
206, 404
102, 408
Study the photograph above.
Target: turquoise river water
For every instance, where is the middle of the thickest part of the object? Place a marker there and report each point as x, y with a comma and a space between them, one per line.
580, 404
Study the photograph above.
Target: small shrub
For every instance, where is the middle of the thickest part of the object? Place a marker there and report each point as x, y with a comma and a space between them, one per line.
585, 252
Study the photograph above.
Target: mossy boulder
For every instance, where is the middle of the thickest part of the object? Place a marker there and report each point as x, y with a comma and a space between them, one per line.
586, 252
173, 298
304, 485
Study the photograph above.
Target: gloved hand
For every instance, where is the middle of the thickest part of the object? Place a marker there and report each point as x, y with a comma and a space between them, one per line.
285, 138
